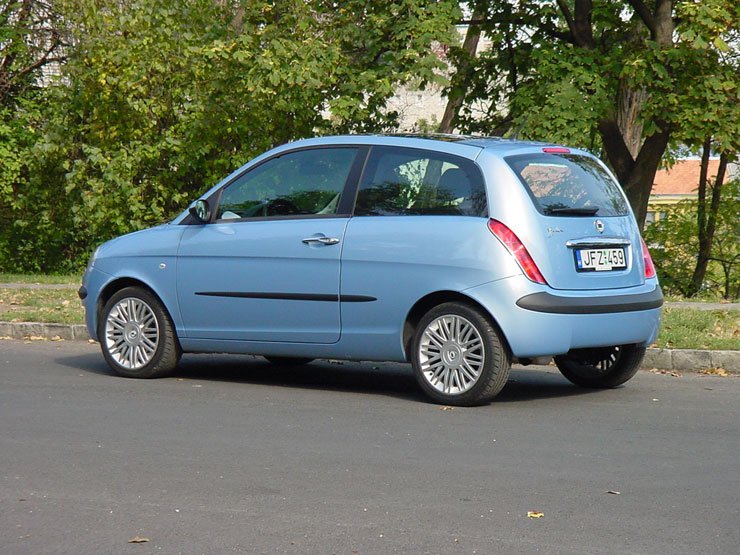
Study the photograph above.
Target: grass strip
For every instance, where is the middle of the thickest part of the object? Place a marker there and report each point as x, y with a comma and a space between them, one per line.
50, 306
74, 279
685, 328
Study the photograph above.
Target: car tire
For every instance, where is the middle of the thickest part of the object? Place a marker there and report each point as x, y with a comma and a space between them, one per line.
601, 368
458, 355
137, 336
288, 361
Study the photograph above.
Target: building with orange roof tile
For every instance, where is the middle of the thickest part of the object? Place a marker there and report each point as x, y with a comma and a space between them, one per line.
679, 182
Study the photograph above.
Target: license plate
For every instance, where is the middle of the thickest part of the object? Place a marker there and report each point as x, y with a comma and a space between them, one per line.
600, 260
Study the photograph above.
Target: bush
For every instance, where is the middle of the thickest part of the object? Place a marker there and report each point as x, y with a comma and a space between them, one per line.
158, 100
674, 243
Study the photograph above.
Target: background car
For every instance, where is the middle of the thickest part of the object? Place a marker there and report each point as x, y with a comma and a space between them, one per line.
457, 254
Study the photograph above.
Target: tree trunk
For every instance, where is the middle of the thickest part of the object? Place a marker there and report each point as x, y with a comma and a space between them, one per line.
706, 219
457, 85
636, 175
629, 105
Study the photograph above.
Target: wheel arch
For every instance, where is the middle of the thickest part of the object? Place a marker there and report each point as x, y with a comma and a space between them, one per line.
426, 303
115, 286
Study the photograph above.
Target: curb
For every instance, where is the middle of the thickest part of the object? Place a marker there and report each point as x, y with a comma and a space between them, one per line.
37, 330
691, 360
684, 360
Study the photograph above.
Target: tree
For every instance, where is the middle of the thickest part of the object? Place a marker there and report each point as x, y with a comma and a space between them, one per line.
618, 77
32, 39
706, 216
160, 99
674, 242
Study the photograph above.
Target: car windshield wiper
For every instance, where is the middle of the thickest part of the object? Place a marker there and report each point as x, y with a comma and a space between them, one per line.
576, 211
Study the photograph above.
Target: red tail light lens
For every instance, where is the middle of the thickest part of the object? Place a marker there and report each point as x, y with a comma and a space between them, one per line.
556, 150
518, 250
648, 262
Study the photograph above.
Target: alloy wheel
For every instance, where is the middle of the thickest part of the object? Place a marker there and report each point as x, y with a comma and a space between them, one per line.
131, 333
451, 354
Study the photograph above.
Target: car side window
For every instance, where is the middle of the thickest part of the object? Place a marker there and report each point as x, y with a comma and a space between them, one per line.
404, 181
305, 182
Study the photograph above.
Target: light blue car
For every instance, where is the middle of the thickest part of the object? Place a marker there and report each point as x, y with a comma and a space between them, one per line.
458, 254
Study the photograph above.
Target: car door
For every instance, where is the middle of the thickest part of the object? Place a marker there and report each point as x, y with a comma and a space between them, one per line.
267, 267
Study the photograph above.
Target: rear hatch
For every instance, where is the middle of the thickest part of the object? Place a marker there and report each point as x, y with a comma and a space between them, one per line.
591, 238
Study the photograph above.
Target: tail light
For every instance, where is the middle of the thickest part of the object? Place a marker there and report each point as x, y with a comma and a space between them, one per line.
517, 250
647, 261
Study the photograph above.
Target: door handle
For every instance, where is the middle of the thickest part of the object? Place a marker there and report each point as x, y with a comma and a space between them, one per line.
322, 240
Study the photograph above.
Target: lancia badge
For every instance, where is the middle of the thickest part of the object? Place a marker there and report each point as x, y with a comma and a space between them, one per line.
599, 225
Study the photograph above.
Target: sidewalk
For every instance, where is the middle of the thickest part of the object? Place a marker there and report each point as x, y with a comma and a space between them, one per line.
679, 360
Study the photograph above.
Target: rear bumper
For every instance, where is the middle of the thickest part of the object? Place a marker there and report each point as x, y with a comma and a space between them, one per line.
555, 304
537, 322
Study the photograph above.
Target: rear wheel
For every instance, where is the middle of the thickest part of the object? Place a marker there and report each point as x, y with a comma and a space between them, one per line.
458, 356
137, 336
602, 367
288, 361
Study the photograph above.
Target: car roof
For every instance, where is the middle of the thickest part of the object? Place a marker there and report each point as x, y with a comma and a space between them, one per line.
452, 143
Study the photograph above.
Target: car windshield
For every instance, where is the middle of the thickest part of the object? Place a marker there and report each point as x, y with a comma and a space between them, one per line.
568, 185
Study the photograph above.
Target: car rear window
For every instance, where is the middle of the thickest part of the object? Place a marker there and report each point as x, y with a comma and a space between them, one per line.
568, 185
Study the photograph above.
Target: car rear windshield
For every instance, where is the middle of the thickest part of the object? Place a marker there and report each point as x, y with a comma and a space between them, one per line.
568, 185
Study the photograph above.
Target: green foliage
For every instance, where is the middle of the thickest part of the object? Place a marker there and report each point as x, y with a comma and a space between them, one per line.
543, 80
673, 246
161, 98
22, 218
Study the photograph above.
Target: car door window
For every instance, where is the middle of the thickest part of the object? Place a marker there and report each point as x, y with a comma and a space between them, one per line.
403, 181
305, 182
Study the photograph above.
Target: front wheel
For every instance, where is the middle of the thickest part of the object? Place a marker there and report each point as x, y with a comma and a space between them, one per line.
137, 336
458, 356
601, 368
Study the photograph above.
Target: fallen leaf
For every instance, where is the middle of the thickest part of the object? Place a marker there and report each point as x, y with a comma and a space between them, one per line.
666, 372
138, 539
715, 372
535, 514
57, 338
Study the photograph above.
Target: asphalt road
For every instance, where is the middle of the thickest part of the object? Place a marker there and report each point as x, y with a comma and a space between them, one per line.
233, 455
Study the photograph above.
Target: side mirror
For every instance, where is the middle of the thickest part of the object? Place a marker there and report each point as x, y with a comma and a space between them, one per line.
201, 211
